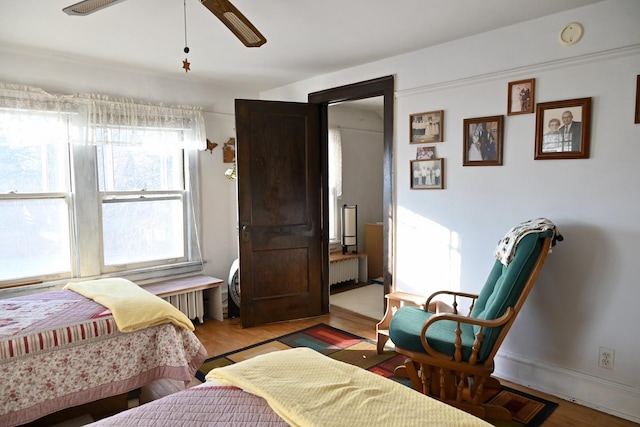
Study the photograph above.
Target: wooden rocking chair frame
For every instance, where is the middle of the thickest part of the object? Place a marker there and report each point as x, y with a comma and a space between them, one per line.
447, 377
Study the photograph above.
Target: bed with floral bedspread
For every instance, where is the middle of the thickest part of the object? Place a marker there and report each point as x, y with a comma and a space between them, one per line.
59, 349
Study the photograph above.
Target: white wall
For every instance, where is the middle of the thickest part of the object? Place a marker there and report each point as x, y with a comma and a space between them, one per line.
586, 295
219, 200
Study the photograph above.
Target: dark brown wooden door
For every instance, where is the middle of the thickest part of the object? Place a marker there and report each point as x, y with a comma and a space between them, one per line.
279, 202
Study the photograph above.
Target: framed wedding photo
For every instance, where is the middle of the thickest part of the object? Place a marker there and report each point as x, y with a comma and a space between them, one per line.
520, 97
426, 127
637, 99
482, 145
563, 129
427, 174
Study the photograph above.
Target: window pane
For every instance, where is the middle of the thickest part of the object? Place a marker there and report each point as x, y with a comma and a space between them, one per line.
35, 238
122, 168
333, 218
142, 230
335, 183
41, 168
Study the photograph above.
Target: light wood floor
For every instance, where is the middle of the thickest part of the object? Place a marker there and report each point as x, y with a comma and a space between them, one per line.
222, 337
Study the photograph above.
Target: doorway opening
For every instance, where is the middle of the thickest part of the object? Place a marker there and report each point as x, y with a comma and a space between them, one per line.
381, 88
356, 151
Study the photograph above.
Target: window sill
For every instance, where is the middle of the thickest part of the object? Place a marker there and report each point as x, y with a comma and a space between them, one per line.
140, 277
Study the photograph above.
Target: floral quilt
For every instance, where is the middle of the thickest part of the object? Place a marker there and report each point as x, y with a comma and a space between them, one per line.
77, 356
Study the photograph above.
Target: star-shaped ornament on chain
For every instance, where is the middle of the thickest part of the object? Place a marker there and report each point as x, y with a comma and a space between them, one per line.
185, 64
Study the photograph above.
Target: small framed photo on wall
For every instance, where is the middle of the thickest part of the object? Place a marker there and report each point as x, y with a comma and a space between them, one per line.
482, 141
427, 174
563, 129
426, 127
520, 97
426, 153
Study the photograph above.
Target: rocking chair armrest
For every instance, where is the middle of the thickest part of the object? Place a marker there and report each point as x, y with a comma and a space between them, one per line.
458, 342
455, 295
469, 320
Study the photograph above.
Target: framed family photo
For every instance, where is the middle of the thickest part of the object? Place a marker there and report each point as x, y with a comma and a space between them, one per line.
426, 127
482, 141
520, 97
563, 129
427, 174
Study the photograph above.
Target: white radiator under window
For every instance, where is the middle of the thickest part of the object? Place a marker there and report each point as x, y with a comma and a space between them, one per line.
190, 303
343, 270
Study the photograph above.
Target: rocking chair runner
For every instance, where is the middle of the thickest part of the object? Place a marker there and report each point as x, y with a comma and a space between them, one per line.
450, 356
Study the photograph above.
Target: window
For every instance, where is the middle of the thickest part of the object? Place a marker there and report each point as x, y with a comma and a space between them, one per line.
142, 195
34, 197
335, 184
123, 204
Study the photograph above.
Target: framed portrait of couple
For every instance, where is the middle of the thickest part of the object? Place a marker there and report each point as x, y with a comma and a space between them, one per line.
482, 141
563, 129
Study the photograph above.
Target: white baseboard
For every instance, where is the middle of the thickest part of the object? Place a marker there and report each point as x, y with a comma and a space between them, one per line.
606, 396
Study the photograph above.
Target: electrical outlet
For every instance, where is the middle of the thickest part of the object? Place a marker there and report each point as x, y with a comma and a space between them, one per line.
605, 359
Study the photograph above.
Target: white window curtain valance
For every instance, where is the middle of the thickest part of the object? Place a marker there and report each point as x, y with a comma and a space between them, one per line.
97, 119
123, 121
30, 116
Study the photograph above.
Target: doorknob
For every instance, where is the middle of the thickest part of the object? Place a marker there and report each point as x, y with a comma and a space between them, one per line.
245, 233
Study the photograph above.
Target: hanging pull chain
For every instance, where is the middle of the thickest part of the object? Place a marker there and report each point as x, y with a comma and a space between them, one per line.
185, 63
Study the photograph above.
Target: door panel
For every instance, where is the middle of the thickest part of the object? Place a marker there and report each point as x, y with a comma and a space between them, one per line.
279, 201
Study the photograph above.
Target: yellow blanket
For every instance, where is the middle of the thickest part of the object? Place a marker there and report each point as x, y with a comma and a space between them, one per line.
308, 389
132, 307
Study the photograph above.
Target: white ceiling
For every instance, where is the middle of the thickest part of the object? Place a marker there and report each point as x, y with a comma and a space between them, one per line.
304, 37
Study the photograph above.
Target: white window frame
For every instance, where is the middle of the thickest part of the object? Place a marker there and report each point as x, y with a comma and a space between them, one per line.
88, 208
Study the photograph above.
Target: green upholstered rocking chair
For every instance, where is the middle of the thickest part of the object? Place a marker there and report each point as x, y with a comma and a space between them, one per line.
449, 355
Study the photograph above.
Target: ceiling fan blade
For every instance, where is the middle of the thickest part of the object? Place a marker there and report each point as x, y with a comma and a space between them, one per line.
88, 6
236, 22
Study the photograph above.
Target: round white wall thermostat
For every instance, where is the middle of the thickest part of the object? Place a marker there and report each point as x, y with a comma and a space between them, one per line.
571, 33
